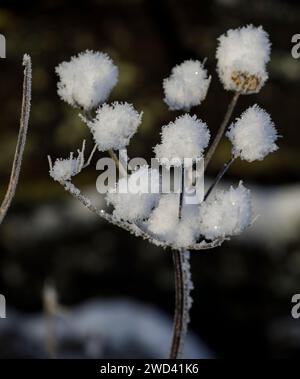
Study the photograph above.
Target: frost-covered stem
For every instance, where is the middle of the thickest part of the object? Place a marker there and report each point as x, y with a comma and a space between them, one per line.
119, 165
181, 196
25, 111
221, 130
183, 301
219, 177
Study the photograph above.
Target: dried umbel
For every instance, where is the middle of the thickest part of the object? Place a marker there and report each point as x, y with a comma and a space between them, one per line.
167, 219
242, 56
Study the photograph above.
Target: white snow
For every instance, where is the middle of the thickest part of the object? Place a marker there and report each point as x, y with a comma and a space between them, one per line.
186, 137
186, 86
165, 223
114, 125
87, 79
227, 213
135, 196
64, 169
242, 55
253, 135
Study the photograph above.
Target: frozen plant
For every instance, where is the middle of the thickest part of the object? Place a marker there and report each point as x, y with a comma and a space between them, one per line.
167, 219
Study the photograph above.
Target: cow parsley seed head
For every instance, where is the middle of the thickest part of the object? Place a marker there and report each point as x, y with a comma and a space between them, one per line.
164, 219
87, 79
64, 169
135, 196
186, 86
114, 125
186, 137
253, 135
165, 223
227, 213
242, 56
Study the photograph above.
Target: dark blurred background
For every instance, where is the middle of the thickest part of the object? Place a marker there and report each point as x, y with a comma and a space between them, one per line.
242, 296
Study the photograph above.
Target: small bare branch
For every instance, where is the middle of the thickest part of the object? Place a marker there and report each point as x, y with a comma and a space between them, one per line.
25, 111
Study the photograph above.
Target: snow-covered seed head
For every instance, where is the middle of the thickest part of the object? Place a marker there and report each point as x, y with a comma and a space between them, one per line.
114, 125
227, 213
164, 221
135, 196
186, 137
242, 55
87, 79
253, 135
186, 86
64, 169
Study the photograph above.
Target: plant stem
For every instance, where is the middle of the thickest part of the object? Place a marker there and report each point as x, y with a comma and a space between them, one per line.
16, 167
221, 130
183, 301
119, 165
181, 195
219, 177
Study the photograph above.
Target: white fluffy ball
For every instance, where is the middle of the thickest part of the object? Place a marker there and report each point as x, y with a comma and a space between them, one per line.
135, 196
253, 135
114, 125
186, 137
64, 169
87, 79
242, 55
187, 85
227, 213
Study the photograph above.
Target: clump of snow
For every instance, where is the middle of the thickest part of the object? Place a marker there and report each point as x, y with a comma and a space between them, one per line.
134, 197
227, 213
165, 223
114, 125
253, 135
64, 169
186, 137
242, 55
186, 86
87, 79
164, 219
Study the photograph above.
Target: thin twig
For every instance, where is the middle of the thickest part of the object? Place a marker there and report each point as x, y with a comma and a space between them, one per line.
183, 286
221, 130
219, 177
119, 165
25, 111
181, 196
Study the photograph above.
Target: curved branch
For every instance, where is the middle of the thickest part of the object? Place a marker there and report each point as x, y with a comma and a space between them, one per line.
133, 228
25, 111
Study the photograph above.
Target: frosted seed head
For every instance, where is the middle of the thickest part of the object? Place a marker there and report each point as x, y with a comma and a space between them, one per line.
134, 197
253, 135
64, 169
186, 86
186, 137
114, 125
242, 55
227, 213
87, 79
